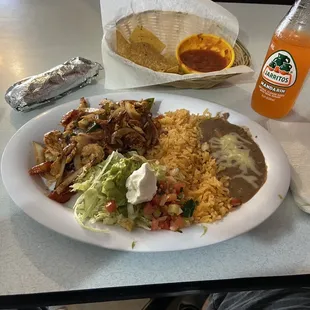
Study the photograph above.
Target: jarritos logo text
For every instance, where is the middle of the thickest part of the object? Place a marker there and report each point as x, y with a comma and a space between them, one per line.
280, 69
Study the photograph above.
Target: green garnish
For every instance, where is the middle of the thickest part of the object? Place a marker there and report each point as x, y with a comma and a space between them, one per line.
189, 207
280, 196
93, 127
181, 194
123, 210
150, 102
133, 244
205, 229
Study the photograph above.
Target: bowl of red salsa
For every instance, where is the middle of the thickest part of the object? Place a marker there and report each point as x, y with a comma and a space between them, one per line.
203, 53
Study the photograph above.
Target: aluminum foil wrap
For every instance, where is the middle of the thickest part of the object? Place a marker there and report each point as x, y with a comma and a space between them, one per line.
44, 88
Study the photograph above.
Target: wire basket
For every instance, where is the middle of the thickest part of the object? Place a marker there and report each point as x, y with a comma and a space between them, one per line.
171, 27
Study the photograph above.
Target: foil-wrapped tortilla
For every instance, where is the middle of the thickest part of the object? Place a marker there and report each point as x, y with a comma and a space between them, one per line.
44, 88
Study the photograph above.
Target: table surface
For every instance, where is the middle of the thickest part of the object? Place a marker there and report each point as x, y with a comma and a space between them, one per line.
38, 34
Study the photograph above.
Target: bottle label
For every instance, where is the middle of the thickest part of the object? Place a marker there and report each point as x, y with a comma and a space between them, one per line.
280, 69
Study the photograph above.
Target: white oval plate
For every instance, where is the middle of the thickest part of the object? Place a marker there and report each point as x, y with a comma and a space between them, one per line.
29, 192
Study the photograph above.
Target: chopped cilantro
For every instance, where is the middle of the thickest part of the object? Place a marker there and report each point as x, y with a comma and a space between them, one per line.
133, 244
150, 102
189, 207
205, 229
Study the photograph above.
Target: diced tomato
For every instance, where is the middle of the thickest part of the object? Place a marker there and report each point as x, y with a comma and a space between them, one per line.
170, 187
171, 198
111, 206
180, 222
163, 200
163, 185
155, 225
148, 209
179, 187
164, 210
235, 202
61, 198
165, 224
177, 223
156, 199
159, 117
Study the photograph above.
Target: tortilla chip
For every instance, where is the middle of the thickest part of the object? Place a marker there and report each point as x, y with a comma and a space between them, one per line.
171, 59
122, 45
174, 69
174, 65
142, 35
145, 55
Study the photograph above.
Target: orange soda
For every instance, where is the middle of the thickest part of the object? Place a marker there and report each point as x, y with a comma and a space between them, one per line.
286, 65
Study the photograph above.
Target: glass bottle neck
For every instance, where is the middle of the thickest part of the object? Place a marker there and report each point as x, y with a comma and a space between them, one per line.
303, 4
297, 19
300, 8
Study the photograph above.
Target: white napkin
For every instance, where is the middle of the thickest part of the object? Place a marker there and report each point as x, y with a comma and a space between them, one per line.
121, 73
294, 138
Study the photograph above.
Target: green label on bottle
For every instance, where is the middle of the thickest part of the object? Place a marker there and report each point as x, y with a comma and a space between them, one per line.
280, 69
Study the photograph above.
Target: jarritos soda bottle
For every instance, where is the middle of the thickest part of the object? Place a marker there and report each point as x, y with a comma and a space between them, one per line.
286, 65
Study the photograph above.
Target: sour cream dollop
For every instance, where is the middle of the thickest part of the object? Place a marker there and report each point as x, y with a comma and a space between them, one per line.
141, 185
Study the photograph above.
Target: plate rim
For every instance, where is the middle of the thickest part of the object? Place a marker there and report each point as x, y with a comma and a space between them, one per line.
138, 93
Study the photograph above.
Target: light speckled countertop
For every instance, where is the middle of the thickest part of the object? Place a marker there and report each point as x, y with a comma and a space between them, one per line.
38, 34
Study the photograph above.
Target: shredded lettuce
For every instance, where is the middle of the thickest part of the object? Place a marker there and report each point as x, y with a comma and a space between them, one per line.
105, 182
133, 211
114, 182
143, 223
174, 209
101, 184
160, 170
205, 229
89, 204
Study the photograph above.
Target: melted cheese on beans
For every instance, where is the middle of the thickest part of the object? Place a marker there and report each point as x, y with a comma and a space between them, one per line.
232, 150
